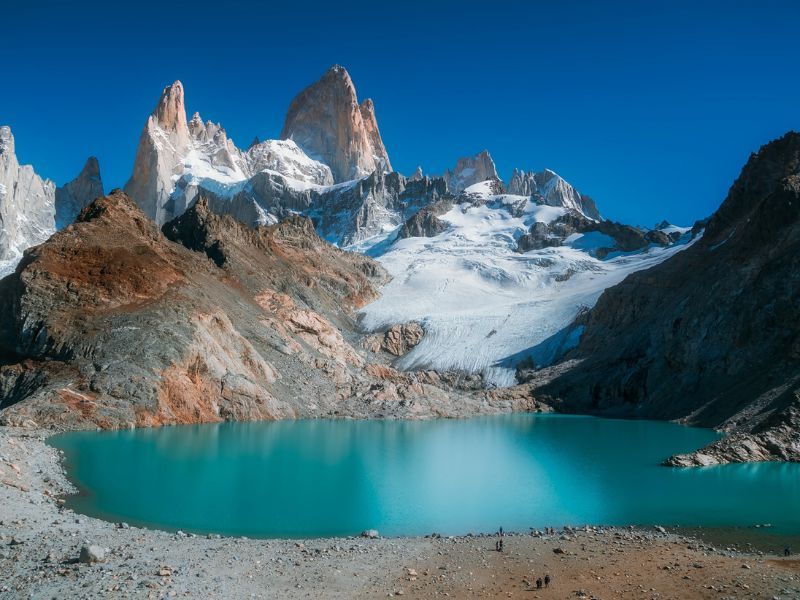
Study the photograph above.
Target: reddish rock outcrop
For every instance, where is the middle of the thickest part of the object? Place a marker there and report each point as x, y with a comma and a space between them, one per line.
397, 340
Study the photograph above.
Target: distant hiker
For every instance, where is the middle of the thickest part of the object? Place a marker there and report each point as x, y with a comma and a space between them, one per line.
497, 545
501, 544
501, 532
539, 583
787, 551
547, 581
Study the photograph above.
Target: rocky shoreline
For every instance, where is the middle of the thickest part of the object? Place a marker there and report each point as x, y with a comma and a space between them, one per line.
42, 544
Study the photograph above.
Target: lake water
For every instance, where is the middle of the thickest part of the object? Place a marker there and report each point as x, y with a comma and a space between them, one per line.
332, 478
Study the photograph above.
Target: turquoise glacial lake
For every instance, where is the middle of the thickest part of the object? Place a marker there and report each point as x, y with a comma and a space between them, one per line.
335, 478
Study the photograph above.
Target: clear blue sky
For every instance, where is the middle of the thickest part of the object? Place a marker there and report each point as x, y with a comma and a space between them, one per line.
650, 107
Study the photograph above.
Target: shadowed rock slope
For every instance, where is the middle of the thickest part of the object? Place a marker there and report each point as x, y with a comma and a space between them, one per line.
712, 335
113, 323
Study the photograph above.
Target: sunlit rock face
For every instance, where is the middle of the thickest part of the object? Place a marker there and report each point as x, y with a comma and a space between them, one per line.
328, 123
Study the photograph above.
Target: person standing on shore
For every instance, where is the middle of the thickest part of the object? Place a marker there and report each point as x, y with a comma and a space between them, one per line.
547, 580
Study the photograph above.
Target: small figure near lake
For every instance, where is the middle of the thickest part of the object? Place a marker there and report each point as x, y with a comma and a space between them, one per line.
787, 551
539, 583
547, 580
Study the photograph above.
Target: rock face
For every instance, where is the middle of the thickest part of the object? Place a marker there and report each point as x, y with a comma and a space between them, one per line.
27, 205
329, 124
397, 340
163, 144
73, 196
375, 205
114, 323
711, 336
426, 222
547, 187
469, 171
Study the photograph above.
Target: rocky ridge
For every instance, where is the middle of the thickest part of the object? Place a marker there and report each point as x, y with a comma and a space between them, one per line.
620, 237
112, 323
721, 350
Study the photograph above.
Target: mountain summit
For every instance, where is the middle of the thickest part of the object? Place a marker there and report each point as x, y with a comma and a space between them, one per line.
329, 124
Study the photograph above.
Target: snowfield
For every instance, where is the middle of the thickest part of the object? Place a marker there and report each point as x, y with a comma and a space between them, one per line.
485, 307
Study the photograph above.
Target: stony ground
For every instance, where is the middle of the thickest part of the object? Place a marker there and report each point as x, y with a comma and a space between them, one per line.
40, 545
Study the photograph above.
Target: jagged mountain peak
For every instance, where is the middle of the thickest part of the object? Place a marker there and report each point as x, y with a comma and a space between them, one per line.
170, 112
328, 123
6, 139
73, 196
548, 187
91, 168
470, 170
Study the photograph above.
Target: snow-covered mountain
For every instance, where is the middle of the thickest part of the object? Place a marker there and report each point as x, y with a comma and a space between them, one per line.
494, 272
27, 205
549, 188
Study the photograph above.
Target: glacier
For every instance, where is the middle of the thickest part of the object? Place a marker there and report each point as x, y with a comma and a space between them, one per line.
484, 306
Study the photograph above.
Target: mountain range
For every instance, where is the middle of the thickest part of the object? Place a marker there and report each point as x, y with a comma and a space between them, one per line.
302, 277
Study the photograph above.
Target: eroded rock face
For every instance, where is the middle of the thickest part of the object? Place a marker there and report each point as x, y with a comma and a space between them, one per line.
712, 335
73, 196
27, 205
329, 124
469, 171
397, 340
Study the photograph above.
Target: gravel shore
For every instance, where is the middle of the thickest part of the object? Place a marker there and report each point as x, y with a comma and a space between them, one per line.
41, 542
